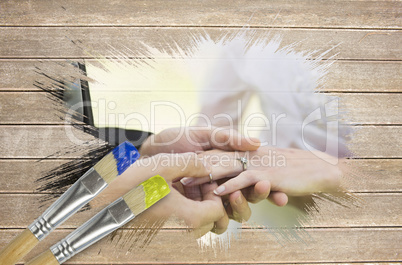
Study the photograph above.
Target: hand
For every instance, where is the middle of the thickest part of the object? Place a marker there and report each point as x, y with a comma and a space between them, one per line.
195, 139
277, 172
198, 206
254, 193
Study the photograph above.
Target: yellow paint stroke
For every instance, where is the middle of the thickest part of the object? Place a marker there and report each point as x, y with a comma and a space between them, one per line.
155, 189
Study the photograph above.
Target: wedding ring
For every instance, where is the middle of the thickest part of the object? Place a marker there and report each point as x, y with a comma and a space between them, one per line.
211, 180
244, 162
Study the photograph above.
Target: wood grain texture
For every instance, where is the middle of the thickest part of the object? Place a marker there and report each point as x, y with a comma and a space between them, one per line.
357, 108
306, 13
20, 175
22, 75
343, 76
375, 209
254, 246
23, 42
372, 141
30, 108
39, 108
372, 76
372, 174
28, 142
365, 175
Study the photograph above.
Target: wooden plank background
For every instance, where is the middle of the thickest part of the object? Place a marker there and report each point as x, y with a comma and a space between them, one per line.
366, 76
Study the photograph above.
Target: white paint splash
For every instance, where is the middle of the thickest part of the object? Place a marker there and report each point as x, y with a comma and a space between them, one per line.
211, 75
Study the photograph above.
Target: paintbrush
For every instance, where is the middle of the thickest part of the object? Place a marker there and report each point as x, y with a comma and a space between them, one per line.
84, 189
106, 221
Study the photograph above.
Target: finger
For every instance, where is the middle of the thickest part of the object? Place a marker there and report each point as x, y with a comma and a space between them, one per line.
221, 165
200, 231
185, 165
222, 223
259, 192
240, 209
278, 198
197, 214
226, 206
226, 139
208, 195
216, 173
170, 166
243, 180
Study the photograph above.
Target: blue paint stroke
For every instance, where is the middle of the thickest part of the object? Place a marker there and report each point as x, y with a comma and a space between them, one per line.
125, 154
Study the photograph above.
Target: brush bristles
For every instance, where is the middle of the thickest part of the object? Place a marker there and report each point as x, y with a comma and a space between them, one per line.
107, 168
135, 199
146, 194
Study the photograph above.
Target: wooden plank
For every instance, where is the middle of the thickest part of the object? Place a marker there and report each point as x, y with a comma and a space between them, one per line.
324, 245
370, 174
364, 76
375, 209
358, 108
375, 142
30, 108
21, 175
30, 207
291, 13
22, 75
371, 141
45, 42
350, 76
365, 175
43, 141
39, 108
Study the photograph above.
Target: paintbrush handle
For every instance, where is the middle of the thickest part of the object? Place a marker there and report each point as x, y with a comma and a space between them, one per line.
83, 191
18, 248
46, 258
106, 221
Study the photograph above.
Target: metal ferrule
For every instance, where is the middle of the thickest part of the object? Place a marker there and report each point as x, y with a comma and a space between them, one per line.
109, 219
84, 190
